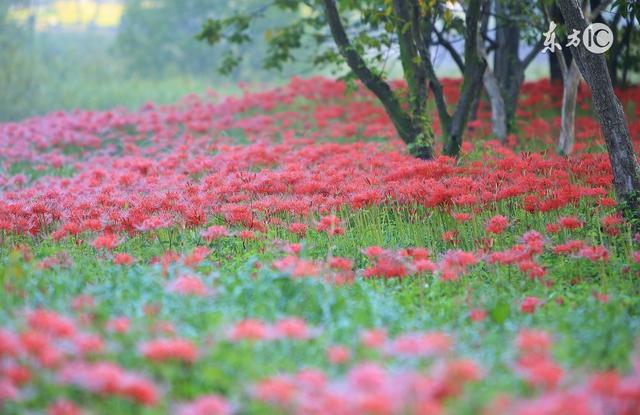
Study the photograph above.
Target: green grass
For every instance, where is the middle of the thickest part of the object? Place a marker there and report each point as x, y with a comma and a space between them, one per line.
588, 335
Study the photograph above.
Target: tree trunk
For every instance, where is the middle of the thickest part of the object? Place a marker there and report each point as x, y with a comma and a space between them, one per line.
507, 66
626, 172
613, 56
571, 82
474, 68
498, 114
416, 132
555, 75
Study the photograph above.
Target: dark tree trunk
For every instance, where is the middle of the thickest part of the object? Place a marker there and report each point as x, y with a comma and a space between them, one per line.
507, 66
509, 69
555, 73
614, 53
626, 172
474, 66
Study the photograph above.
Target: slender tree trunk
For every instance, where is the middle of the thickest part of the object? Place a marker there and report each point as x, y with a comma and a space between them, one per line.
491, 85
626, 172
498, 113
555, 75
613, 55
571, 82
415, 132
474, 68
507, 66
475, 105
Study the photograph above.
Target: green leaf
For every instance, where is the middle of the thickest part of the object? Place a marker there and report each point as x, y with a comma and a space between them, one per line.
500, 312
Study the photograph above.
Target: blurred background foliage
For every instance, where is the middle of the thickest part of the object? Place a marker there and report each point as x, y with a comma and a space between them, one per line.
99, 54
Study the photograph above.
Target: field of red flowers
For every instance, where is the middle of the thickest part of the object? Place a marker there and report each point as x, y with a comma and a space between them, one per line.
278, 252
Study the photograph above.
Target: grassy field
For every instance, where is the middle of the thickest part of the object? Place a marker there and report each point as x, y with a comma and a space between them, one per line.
278, 252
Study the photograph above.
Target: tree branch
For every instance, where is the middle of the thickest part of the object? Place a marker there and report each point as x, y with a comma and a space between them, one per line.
449, 47
595, 13
532, 54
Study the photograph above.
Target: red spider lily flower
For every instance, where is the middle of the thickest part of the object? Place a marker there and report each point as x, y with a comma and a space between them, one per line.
611, 224
374, 251
156, 222
342, 278
40, 346
530, 304
82, 302
252, 330
88, 344
636, 257
247, 235
299, 229
594, 253
455, 263
338, 354
123, 259
8, 391
341, 263
279, 390
569, 247
541, 372
461, 217
419, 344
64, 407
106, 241
450, 236
603, 298
552, 228
532, 269
297, 267
605, 383
170, 349
118, 325
496, 224
46, 321
293, 328
373, 338
424, 265
387, 266
461, 371
214, 232
477, 314
608, 202
330, 225
416, 253
533, 342
164, 328
110, 379
570, 222
188, 285
293, 249
206, 405
196, 256
9, 343
17, 374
